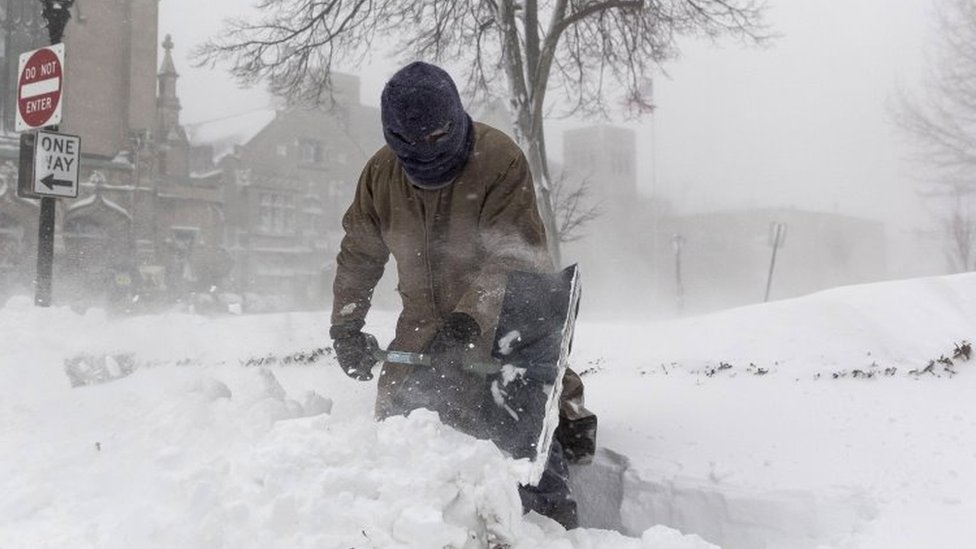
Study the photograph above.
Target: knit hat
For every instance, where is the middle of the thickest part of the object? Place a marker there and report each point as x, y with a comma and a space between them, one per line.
425, 124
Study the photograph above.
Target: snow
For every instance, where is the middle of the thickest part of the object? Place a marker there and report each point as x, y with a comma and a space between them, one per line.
505, 342
97, 197
746, 428
227, 132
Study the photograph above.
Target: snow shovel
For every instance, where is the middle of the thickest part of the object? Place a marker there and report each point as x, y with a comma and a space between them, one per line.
482, 369
521, 387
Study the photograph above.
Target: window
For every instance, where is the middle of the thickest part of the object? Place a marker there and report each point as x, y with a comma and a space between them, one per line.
310, 150
264, 212
288, 213
276, 213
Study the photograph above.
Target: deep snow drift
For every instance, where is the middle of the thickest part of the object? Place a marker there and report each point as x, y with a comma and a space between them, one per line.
802, 423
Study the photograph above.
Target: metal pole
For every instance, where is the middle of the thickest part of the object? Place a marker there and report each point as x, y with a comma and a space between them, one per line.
777, 236
678, 241
56, 13
45, 253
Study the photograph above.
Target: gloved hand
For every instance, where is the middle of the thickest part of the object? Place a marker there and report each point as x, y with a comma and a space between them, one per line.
354, 349
454, 341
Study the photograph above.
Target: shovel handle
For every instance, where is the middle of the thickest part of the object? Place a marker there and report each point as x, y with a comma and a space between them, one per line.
402, 357
421, 359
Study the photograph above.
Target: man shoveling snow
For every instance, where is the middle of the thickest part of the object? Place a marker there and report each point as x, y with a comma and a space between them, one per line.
453, 201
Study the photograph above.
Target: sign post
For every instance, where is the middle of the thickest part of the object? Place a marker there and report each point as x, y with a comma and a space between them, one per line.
39, 86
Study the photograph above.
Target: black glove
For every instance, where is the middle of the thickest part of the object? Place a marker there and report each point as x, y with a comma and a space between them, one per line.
454, 341
354, 349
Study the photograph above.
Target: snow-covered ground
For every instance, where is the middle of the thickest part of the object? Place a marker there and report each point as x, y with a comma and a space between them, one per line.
802, 423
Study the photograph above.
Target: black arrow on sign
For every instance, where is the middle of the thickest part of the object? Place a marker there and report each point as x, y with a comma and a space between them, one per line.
50, 182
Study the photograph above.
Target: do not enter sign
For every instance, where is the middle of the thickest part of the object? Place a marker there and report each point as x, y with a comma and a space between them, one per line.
39, 88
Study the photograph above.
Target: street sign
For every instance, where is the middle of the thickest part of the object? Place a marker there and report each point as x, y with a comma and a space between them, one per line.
56, 158
39, 88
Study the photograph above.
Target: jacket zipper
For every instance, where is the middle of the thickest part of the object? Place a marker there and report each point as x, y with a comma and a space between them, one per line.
428, 226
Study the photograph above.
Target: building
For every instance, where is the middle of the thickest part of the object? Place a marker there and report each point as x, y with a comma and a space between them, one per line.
142, 226
615, 250
289, 174
17, 241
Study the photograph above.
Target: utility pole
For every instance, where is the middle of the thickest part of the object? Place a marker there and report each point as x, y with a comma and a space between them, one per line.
777, 237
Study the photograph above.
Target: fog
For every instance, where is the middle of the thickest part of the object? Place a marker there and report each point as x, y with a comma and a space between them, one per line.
803, 122
798, 131
803, 114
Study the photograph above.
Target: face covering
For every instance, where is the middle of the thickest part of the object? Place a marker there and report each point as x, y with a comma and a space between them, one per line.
426, 125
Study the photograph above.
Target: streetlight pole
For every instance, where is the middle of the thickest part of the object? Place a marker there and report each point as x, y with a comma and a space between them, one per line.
677, 242
56, 13
777, 235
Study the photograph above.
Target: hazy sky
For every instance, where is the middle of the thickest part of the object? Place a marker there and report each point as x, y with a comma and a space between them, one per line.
802, 122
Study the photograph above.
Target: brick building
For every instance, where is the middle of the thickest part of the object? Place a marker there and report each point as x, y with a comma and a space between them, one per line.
142, 224
289, 173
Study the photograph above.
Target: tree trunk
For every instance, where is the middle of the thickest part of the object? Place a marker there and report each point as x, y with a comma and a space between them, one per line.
538, 164
528, 125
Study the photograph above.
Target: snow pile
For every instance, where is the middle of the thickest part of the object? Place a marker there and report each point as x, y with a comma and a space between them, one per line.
806, 423
747, 428
901, 324
222, 455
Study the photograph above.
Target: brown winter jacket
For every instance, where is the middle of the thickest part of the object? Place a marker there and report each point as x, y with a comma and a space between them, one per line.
453, 246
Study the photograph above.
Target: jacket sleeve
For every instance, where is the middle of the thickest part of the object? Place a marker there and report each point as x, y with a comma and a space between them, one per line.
361, 260
512, 237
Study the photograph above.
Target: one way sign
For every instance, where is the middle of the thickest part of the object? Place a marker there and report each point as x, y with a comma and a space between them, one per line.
56, 158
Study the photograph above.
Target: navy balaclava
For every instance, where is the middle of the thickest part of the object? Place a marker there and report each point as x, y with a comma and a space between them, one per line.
425, 124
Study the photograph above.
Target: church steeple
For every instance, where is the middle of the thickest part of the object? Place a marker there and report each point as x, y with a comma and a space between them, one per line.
167, 103
173, 153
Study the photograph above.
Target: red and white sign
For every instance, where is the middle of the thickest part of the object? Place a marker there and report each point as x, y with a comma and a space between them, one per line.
39, 88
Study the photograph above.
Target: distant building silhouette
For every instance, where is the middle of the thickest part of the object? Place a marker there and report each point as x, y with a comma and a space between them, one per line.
616, 250
289, 174
630, 254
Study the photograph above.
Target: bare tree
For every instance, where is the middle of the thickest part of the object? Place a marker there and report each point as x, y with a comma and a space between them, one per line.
586, 49
942, 124
572, 207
